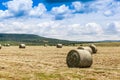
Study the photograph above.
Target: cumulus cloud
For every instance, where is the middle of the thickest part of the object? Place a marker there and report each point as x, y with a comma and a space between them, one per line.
61, 12
78, 6
74, 29
57, 29
81, 26
112, 28
112, 8
13, 27
5, 14
18, 8
108, 13
106, 7
37, 11
49, 28
93, 29
87, 29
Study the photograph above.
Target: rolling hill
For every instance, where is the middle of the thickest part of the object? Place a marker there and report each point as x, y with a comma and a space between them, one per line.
31, 39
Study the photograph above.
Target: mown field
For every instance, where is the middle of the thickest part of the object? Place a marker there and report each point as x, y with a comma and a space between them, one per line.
49, 63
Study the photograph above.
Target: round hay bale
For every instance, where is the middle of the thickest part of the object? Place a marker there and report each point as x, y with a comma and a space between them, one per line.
59, 45
7, 45
86, 48
22, 46
94, 48
80, 47
81, 44
45, 45
0, 46
79, 58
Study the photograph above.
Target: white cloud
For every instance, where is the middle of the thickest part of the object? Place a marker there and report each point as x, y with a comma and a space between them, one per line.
57, 29
5, 14
81, 26
61, 12
12, 27
106, 7
78, 6
37, 11
112, 28
19, 7
92, 29
108, 13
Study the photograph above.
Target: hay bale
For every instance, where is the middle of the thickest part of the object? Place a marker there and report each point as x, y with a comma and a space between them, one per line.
59, 45
81, 44
91, 48
45, 45
22, 46
86, 48
79, 58
0, 46
7, 45
94, 48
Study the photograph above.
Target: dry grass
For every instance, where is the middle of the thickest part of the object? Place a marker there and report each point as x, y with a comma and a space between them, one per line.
49, 63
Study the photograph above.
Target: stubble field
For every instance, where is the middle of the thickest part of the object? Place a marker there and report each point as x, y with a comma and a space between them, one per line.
49, 63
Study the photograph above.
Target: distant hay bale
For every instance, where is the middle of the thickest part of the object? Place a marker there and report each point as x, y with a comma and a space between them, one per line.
59, 45
81, 44
7, 45
80, 47
0, 46
94, 48
22, 46
86, 48
45, 45
79, 58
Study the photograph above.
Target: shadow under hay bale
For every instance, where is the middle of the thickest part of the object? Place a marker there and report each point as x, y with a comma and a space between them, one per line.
79, 58
59, 45
0, 46
22, 46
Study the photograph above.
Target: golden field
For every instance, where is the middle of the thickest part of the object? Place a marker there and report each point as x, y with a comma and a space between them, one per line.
49, 63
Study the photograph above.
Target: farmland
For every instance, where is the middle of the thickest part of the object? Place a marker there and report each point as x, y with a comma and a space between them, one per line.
49, 63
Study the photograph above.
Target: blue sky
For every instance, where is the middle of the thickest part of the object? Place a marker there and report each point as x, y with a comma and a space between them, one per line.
81, 20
